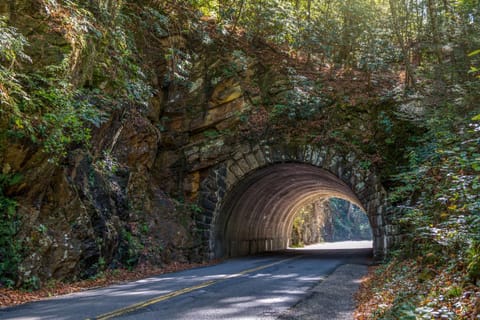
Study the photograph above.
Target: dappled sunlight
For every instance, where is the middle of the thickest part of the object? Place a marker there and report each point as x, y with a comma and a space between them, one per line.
281, 276
273, 300
238, 299
138, 293
308, 279
284, 276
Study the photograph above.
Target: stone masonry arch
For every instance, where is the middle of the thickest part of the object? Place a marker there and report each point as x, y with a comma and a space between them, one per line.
249, 200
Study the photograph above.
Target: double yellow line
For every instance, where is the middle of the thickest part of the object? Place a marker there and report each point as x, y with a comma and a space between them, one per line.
146, 303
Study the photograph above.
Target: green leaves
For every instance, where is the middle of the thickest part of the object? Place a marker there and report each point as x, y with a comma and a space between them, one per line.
473, 53
10, 248
474, 69
12, 45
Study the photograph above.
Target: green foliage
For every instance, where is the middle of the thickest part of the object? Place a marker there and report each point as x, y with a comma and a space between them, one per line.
302, 102
42, 106
12, 46
211, 134
155, 21
297, 231
474, 69
438, 197
10, 247
31, 283
473, 259
107, 163
54, 115
56, 106
179, 65
130, 248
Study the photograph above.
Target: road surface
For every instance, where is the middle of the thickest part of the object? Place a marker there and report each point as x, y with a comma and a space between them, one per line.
258, 287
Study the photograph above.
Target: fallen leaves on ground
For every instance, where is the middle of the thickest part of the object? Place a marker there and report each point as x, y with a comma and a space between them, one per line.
11, 297
411, 290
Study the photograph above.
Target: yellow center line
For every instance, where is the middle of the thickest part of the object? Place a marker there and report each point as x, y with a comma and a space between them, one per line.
177, 293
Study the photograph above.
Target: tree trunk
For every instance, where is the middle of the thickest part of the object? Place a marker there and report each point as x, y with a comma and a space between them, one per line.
432, 16
409, 77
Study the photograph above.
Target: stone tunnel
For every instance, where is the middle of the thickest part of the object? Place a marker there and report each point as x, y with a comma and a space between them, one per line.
250, 201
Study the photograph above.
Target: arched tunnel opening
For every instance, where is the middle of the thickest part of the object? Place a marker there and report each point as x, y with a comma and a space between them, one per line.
257, 215
331, 220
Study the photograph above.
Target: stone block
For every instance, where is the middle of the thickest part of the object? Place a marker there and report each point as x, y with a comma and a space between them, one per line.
209, 184
202, 226
260, 158
379, 221
339, 170
252, 161
212, 196
351, 158
293, 152
241, 152
377, 232
390, 230
237, 156
359, 176
237, 171
380, 209
267, 154
278, 155
352, 181
346, 177
221, 183
322, 156
242, 163
307, 153
208, 220
230, 180
221, 193
334, 162
359, 187
316, 159
221, 171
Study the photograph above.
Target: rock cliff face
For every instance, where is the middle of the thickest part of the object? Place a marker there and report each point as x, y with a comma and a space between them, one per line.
176, 94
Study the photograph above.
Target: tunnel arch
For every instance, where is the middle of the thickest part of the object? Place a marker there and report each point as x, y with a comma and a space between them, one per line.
250, 200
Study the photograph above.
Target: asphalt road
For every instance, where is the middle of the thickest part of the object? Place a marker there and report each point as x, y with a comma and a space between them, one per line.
258, 287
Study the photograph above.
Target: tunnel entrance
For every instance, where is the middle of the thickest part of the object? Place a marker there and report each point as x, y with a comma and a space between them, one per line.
258, 214
249, 201
329, 220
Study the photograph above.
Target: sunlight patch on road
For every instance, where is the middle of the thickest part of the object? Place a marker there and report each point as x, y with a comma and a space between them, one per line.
364, 244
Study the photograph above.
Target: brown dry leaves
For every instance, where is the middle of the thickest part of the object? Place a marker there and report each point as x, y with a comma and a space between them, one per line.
381, 289
10, 297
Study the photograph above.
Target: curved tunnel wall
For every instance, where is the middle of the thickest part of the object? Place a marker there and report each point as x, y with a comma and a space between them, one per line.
249, 202
258, 213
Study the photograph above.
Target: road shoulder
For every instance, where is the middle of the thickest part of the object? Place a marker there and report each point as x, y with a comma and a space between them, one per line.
331, 299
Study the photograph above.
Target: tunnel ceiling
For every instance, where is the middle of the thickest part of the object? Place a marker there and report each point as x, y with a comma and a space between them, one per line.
258, 213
